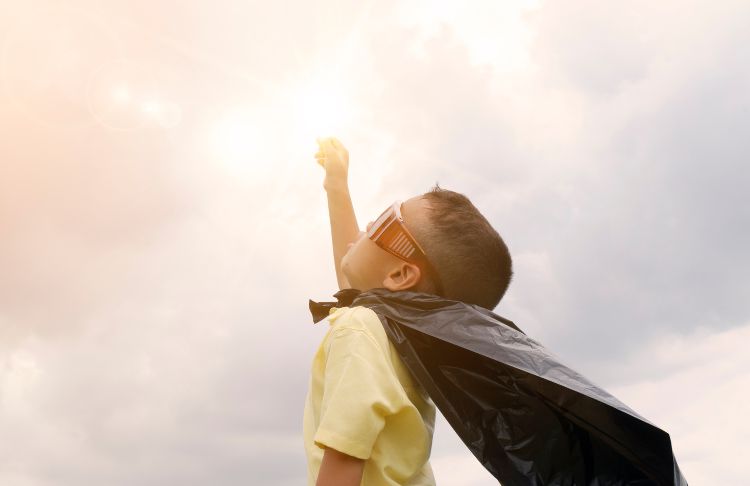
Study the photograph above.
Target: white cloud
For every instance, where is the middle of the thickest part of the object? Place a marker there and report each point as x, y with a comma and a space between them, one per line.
153, 299
495, 33
695, 387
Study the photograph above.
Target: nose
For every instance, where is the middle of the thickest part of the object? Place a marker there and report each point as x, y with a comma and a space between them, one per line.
359, 237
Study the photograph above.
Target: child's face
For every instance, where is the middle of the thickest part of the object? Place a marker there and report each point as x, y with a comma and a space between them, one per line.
368, 266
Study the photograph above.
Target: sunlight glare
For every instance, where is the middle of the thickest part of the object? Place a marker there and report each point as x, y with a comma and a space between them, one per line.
151, 108
320, 109
121, 94
236, 142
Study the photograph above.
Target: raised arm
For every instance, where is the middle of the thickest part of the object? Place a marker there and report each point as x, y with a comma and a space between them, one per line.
344, 229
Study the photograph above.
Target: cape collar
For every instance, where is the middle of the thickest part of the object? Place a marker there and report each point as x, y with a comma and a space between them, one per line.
344, 298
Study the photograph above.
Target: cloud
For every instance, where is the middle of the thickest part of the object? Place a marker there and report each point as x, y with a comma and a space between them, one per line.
695, 387
654, 227
614, 161
154, 324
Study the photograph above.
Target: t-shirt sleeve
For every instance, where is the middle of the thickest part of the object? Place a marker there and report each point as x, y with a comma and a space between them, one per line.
360, 391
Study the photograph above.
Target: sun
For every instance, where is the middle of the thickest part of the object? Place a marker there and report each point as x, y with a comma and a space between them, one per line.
254, 141
320, 107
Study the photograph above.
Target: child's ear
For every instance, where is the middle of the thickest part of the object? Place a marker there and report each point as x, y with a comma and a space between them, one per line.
404, 276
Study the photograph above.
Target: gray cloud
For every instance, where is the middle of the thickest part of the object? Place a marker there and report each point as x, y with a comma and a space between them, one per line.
659, 225
625, 213
153, 302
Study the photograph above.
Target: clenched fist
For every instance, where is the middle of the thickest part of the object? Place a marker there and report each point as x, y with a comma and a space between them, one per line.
334, 158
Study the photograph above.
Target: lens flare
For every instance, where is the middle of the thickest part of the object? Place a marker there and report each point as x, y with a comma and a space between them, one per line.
128, 94
321, 108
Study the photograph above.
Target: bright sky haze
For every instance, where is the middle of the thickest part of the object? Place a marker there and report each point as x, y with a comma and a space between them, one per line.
163, 220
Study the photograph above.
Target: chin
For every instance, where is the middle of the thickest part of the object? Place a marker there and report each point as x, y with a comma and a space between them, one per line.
344, 271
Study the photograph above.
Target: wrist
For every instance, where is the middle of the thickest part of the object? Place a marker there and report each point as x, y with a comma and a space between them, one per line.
336, 186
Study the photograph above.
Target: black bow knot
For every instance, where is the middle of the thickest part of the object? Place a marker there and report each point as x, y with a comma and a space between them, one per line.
344, 298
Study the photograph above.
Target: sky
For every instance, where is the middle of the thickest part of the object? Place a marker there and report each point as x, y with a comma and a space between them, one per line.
163, 220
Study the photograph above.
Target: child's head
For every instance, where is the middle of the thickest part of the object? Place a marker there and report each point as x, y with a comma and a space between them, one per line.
471, 259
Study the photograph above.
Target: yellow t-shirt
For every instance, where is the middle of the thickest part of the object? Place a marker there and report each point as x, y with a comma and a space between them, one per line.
363, 402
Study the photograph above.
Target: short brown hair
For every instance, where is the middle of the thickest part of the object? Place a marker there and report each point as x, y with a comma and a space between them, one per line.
470, 257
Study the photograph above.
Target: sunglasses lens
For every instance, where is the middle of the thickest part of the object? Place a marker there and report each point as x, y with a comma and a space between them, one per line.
374, 227
402, 245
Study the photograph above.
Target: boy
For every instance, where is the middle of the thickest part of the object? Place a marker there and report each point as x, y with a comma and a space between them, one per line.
366, 421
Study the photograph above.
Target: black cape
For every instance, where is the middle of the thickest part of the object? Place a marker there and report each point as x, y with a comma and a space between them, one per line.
529, 419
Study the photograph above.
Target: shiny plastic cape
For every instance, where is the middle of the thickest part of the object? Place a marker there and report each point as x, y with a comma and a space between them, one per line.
529, 419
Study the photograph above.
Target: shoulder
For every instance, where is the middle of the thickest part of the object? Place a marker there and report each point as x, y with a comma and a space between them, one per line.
353, 318
360, 320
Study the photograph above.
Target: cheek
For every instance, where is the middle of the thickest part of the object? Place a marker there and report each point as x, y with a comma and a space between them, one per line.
355, 251
362, 254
